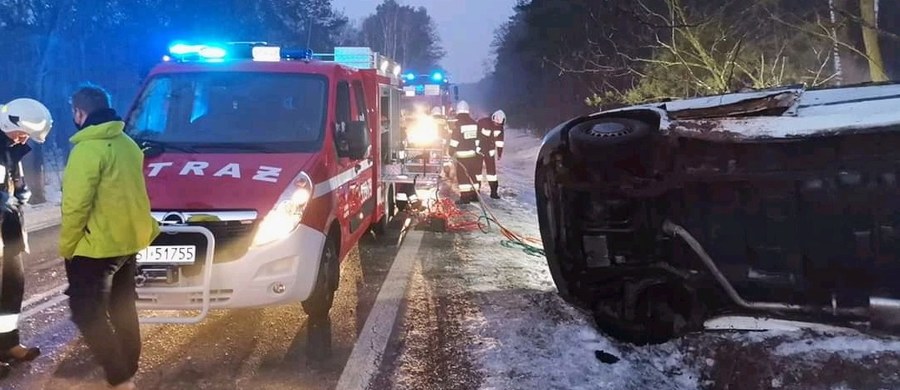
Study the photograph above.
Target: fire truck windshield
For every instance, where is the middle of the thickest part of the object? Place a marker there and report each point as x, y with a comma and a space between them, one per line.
232, 112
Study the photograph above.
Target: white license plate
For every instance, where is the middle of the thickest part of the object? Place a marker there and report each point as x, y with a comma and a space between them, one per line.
169, 254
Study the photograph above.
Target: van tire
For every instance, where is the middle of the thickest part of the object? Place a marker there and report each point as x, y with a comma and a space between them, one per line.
321, 299
599, 137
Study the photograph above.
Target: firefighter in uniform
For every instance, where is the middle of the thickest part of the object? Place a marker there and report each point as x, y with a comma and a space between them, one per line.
464, 148
20, 120
490, 141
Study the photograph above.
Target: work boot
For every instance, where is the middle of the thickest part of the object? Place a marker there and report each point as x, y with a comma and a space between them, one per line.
127, 385
20, 353
5, 369
494, 193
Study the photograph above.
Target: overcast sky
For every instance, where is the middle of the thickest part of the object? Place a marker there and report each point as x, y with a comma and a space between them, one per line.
466, 28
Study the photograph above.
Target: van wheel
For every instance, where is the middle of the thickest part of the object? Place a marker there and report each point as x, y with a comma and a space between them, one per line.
320, 301
595, 138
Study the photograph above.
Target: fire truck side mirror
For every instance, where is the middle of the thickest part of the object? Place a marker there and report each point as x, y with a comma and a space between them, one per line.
455, 92
358, 143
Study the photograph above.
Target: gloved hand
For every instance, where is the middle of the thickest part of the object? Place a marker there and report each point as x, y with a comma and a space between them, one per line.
9, 204
23, 194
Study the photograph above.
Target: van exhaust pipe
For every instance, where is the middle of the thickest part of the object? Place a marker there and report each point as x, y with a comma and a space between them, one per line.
680, 232
675, 230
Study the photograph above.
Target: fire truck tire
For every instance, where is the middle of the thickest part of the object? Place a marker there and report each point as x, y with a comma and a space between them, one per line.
381, 226
320, 301
408, 189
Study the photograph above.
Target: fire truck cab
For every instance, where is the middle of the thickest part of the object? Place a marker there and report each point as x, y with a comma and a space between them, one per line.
265, 167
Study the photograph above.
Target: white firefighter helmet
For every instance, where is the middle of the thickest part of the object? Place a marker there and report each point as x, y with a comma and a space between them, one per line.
436, 111
27, 115
499, 117
462, 107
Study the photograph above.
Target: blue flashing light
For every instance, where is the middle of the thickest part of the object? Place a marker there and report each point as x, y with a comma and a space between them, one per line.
410, 76
208, 52
437, 76
182, 49
227, 51
211, 52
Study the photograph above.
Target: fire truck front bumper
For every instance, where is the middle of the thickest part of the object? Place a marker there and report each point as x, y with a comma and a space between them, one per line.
280, 272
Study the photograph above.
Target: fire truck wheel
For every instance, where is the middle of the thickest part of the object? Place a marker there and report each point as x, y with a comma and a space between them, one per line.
407, 189
382, 225
320, 301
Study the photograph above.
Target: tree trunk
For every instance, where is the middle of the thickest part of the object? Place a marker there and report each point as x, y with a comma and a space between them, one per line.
870, 38
34, 162
853, 66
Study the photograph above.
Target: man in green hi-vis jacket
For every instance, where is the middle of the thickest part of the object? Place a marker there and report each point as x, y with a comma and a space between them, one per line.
106, 220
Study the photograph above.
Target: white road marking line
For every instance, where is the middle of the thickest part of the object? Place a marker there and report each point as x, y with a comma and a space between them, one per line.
44, 295
365, 359
44, 306
43, 225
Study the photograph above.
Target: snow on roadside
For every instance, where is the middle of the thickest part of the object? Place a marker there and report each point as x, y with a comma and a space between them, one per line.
529, 337
46, 214
42, 216
848, 345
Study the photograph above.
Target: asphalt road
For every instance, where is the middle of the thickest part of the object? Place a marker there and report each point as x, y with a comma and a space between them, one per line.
271, 348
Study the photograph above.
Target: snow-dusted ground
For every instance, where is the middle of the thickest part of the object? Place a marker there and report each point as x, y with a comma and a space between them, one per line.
526, 337
47, 214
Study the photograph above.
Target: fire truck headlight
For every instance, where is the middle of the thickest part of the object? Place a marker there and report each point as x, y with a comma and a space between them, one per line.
424, 131
284, 218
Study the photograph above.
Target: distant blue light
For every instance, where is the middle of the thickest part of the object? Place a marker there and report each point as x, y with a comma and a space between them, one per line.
182, 49
410, 76
437, 76
211, 52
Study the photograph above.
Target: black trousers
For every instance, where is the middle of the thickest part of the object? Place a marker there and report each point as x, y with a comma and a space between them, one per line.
12, 285
102, 301
490, 170
466, 185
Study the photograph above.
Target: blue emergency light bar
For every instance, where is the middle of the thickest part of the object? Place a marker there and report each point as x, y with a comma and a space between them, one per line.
217, 52
411, 78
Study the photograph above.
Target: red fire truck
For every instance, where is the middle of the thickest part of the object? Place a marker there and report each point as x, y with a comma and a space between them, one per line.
265, 166
425, 107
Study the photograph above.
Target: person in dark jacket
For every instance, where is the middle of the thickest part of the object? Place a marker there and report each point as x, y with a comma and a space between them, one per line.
20, 120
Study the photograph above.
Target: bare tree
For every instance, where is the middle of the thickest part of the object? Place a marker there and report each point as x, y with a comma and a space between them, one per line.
707, 51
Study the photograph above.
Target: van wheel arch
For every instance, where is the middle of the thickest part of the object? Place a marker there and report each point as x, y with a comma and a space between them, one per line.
321, 299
